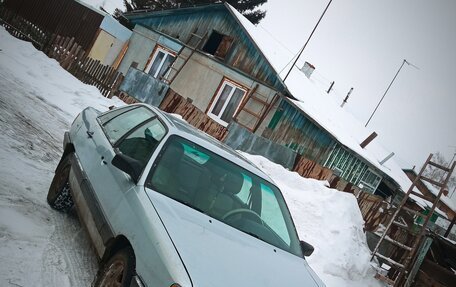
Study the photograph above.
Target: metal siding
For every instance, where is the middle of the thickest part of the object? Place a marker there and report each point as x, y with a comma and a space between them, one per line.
144, 87
239, 138
243, 54
296, 131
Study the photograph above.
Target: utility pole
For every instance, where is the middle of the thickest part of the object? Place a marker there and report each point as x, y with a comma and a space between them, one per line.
389, 86
451, 161
308, 39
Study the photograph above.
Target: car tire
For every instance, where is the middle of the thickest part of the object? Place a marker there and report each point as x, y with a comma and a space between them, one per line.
59, 194
118, 270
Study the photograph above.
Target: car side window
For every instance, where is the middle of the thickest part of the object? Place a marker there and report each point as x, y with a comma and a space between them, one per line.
142, 142
122, 121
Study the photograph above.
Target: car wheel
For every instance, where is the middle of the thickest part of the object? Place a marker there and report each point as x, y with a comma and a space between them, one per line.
117, 271
59, 195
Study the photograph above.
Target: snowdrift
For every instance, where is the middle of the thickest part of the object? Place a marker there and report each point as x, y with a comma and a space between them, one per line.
328, 219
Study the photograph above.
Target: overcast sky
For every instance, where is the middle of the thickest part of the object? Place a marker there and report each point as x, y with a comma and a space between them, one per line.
361, 44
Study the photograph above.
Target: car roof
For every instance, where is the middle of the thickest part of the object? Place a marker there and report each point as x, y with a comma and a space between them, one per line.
180, 127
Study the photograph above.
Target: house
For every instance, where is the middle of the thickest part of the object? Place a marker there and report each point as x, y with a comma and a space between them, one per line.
211, 65
204, 55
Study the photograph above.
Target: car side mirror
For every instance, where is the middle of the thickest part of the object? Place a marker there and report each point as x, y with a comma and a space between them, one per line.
129, 165
306, 248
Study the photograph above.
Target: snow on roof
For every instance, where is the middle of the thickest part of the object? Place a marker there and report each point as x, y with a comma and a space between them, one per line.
323, 109
108, 5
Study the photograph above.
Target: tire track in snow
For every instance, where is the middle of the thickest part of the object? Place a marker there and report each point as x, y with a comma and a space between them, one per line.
69, 259
64, 256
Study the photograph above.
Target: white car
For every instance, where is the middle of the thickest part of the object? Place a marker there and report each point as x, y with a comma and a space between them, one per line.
166, 205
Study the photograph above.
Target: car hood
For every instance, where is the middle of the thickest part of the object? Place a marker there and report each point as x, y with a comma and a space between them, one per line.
217, 255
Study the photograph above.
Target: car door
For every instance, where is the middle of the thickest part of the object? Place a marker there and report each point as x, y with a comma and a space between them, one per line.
132, 131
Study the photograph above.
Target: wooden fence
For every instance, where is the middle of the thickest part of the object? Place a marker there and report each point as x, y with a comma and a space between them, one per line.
74, 59
373, 208
23, 29
174, 103
68, 18
70, 54
310, 169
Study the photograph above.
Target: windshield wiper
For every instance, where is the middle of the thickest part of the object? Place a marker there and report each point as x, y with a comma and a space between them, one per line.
254, 235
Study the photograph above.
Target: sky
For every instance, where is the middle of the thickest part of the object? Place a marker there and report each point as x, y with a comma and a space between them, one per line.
361, 44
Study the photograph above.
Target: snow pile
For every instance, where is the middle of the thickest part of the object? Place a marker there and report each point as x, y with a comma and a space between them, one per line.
45, 80
331, 221
38, 101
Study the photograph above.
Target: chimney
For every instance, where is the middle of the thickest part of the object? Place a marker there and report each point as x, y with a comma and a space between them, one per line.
331, 87
308, 69
387, 158
368, 140
346, 98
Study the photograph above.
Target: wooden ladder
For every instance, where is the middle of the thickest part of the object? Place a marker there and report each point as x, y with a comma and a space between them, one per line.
265, 107
175, 66
404, 267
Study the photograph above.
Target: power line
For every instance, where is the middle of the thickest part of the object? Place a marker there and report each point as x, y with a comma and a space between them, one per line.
389, 86
308, 39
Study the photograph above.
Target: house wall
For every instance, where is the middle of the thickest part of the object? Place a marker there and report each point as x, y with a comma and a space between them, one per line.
101, 47
111, 38
243, 54
141, 45
290, 127
199, 79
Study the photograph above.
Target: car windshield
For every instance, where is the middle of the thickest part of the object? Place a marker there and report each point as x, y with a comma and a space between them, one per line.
213, 185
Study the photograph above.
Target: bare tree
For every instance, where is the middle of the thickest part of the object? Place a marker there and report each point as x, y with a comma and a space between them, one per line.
438, 174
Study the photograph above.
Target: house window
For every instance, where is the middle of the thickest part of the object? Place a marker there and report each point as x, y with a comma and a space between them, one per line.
370, 181
160, 62
218, 44
226, 102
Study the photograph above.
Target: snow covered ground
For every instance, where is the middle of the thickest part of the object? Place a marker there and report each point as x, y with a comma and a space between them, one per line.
41, 247
38, 101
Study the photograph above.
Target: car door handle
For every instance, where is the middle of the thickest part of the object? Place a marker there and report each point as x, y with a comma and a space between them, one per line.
103, 161
89, 134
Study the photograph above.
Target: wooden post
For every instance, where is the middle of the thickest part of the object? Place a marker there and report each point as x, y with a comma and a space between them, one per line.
450, 227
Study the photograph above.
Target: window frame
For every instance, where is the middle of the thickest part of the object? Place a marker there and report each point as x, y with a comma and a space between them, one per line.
223, 47
368, 186
127, 109
153, 56
225, 81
